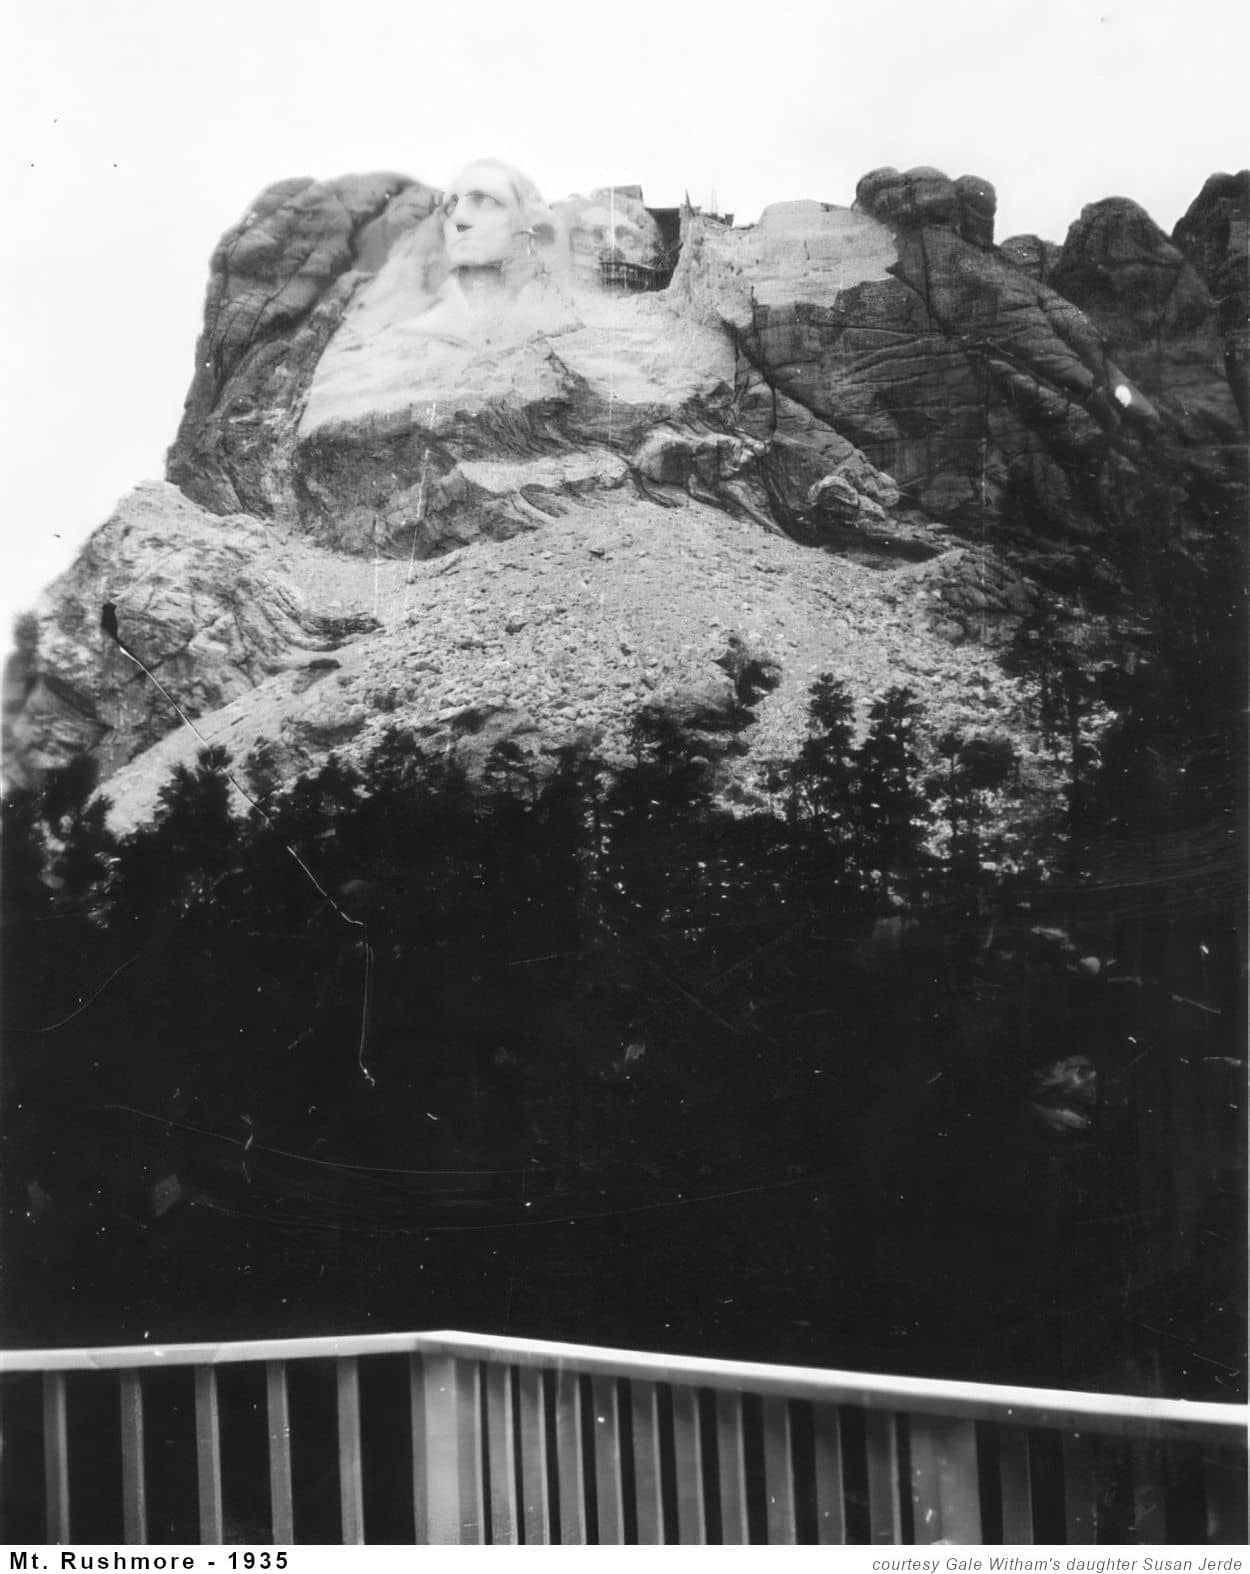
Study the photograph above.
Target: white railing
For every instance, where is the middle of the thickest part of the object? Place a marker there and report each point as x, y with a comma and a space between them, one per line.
519, 1440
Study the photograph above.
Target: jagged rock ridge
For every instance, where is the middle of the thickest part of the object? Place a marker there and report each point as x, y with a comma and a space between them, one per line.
853, 439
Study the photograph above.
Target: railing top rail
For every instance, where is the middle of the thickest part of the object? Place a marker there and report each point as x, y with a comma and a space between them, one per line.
1070, 1408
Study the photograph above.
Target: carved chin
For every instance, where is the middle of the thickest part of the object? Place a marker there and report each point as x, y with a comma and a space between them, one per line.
472, 252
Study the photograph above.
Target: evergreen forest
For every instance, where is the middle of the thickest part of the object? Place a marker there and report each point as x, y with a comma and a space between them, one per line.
886, 1073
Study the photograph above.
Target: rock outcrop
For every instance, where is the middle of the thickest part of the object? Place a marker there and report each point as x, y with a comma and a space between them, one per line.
1036, 256
212, 604
1214, 235
534, 499
275, 295
982, 393
1157, 318
921, 197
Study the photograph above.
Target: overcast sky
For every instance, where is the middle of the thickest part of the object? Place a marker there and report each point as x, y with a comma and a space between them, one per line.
136, 131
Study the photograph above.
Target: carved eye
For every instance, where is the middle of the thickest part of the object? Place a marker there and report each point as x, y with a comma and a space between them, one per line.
449, 206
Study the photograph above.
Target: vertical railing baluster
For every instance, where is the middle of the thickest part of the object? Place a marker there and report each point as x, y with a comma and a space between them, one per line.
278, 1410
501, 1446
440, 1447
441, 1450
535, 1483
452, 1449
778, 1472
351, 1463
884, 1504
1147, 1516
731, 1468
945, 1492
420, 1481
1113, 1472
1015, 1476
134, 1478
55, 1458
1224, 1486
609, 1477
472, 1473
644, 1407
688, 1462
208, 1455
830, 1489
1080, 1490
570, 1471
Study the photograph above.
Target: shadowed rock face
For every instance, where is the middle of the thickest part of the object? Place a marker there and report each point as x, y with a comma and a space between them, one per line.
455, 477
927, 197
1157, 317
276, 292
1037, 257
982, 393
1214, 235
212, 604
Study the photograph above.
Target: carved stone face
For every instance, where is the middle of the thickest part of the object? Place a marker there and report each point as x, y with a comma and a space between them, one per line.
607, 228
481, 216
602, 233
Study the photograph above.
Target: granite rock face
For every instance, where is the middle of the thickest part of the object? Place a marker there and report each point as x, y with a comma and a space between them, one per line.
1214, 235
920, 197
1036, 256
558, 635
860, 440
276, 292
394, 447
977, 389
1156, 315
213, 604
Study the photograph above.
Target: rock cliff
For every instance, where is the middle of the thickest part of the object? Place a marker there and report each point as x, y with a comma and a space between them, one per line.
531, 498
1214, 235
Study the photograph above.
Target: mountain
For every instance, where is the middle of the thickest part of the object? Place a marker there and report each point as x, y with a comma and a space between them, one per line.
637, 453
762, 708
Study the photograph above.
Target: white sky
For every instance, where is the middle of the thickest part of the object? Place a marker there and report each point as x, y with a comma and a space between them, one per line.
136, 131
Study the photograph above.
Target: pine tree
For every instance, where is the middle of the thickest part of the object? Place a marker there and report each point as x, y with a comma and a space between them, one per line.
823, 774
974, 768
893, 813
1060, 661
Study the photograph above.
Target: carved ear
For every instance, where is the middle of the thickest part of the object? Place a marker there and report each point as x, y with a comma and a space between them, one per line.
538, 220
548, 237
